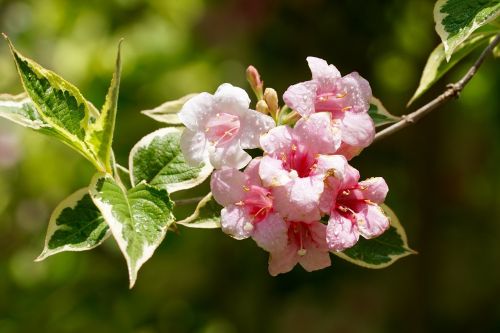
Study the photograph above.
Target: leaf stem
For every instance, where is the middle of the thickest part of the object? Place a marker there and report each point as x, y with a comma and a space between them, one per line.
452, 91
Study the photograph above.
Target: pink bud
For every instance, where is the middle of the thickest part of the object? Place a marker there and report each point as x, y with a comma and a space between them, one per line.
253, 77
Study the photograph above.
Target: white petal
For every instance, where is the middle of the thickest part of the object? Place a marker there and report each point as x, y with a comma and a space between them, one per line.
194, 147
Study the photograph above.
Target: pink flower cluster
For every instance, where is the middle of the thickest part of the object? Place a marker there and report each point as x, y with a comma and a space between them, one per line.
300, 199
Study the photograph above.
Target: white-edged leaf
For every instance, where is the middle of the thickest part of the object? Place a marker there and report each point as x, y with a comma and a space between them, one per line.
138, 218
75, 225
167, 112
206, 215
437, 65
379, 113
456, 20
57, 102
381, 251
100, 133
157, 159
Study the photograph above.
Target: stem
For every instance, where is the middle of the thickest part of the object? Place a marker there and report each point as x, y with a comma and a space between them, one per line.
452, 91
188, 201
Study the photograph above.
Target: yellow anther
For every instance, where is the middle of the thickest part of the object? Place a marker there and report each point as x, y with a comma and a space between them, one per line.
341, 95
246, 188
346, 108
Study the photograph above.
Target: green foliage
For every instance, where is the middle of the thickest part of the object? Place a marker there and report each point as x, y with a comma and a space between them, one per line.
138, 218
381, 251
157, 159
75, 225
206, 215
379, 113
437, 65
167, 112
100, 133
456, 20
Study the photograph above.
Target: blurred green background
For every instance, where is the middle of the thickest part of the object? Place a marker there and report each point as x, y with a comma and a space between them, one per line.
442, 172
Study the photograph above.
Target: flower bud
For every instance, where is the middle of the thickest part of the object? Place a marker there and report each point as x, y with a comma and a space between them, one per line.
253, 77
271, 98
262, 107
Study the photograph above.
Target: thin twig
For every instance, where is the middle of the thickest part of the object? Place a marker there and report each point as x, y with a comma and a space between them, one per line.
453, 90
189, 201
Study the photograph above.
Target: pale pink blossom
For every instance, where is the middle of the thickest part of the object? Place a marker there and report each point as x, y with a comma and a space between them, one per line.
306, 245
248, 207
354, 208
296, 162
219, 127
347, 98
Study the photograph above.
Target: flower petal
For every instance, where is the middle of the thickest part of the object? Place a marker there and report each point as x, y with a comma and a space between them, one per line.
230, 156
358, 92
271, 233
277, 140
341, 233
372, 221
227, 186
283, 261
315, 259
319, 133
299, 199
272, 173
357, 129
317, 255
374, 189
252, 172
229, 98
253, 125
195, 112
323, 73
194, 147
233, 221
301, 97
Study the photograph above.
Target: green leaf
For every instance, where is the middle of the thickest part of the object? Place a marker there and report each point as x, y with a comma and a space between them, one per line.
100, 134
379, 113
457, 19
138, 218
206, 215
382, 251
167, 112
57, 102
124, 175
437, 65
157, 159
75, 225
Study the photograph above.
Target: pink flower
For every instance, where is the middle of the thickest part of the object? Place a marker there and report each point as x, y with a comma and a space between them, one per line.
249, 208
347, 98
220, 126
354, 209
296, 162
306, 245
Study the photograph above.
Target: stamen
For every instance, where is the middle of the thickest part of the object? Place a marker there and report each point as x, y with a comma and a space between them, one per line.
246, 188
248, 226
341, 95
240, 203
294, 147
302, 252
346, 108
346, 192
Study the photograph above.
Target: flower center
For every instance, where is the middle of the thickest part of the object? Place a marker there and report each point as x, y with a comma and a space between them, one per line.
299, 233
222, 128
349, 202
299, 160
258, 202
331, 101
